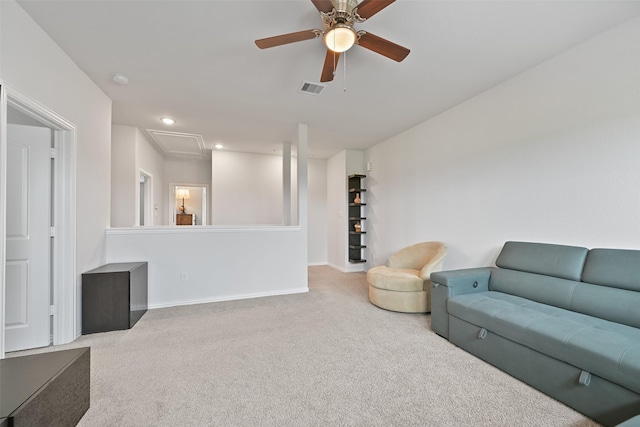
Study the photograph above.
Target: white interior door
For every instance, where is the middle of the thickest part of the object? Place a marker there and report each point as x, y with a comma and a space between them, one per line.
27, 282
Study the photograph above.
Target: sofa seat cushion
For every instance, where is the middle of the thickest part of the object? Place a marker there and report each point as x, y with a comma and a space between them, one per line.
395, 279
607, 349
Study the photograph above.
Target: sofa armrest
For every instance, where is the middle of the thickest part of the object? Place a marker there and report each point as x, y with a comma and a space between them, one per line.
463, 281
445, 284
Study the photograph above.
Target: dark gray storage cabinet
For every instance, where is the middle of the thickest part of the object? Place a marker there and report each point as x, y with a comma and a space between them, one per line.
114, 297
47, 389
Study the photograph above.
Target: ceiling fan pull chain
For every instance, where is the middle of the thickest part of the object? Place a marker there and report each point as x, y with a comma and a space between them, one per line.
345, 71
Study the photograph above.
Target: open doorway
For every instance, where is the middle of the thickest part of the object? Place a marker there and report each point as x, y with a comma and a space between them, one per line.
191, 200
55, 310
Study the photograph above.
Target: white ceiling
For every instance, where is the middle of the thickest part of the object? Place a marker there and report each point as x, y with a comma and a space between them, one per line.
196, 62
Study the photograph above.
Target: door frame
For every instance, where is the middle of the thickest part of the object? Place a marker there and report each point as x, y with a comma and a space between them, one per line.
63, 262
147, 198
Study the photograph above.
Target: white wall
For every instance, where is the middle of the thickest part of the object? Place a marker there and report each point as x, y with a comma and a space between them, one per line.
131, 152
186, 172
34, 65
317, 211
150, 160
221, 263
337, 211
249, 189
551, 155
246, 188
123, 176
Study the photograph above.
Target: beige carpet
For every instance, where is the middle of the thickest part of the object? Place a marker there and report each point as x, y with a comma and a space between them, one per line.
326, 358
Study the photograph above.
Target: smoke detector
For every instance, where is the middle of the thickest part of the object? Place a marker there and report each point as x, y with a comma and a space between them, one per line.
120, 78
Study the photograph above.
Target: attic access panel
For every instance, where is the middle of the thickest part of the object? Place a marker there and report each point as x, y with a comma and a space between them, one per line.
176, 143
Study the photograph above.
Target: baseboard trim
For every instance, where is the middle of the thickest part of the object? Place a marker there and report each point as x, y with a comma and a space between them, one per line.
230, 298
358, 269
317, 264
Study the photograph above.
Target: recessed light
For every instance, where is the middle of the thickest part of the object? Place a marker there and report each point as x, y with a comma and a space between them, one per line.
219, 146
120, 78
167, 121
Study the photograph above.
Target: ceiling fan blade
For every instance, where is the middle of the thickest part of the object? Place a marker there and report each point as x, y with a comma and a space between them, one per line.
287, 38
383, 47
330, 65
368, 8
323, 5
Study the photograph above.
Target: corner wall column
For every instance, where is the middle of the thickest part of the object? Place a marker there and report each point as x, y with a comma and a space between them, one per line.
286, 183
303, 197
303, 141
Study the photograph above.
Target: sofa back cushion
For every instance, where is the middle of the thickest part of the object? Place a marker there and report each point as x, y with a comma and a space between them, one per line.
535, 287
565, 262
613, 304
604, 302
617, 268
609, 290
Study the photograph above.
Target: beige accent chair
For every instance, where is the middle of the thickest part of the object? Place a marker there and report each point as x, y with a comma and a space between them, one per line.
404, 285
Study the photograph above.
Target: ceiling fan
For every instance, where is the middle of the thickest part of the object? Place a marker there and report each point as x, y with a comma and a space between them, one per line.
339, 34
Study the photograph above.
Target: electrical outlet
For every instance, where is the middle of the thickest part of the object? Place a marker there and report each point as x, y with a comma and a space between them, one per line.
369, 166
185, 276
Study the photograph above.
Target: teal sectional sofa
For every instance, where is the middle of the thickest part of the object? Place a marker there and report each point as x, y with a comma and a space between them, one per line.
564, 319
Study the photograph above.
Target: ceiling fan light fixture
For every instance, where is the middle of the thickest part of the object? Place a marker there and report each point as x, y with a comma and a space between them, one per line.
340, 38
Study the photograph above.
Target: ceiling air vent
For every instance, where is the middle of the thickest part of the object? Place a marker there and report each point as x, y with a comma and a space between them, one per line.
312, 88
